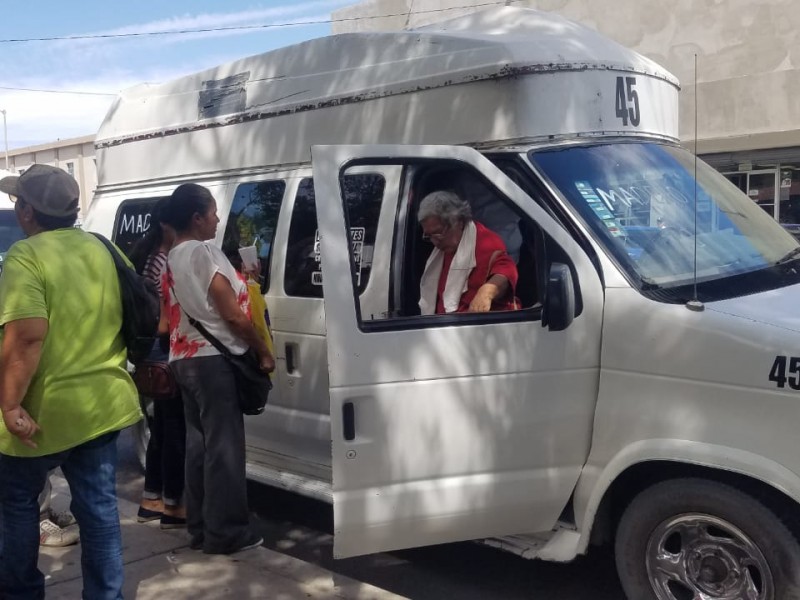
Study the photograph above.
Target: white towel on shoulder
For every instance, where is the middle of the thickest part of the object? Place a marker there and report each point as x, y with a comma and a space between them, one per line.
457, 276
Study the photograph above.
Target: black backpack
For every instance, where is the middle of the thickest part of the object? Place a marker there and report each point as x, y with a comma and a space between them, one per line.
141, 307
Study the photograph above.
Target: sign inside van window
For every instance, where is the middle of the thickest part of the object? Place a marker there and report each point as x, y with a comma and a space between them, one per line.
361, 255
363, 198
133, 221
600, 208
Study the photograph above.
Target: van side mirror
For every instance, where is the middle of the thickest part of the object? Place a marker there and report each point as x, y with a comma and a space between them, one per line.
559, 304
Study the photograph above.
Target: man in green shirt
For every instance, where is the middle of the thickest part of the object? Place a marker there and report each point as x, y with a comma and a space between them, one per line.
64, 390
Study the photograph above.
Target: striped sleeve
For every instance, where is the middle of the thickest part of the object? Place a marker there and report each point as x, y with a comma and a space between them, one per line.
154, 268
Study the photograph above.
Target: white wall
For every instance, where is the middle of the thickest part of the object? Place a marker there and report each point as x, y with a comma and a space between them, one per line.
76, 156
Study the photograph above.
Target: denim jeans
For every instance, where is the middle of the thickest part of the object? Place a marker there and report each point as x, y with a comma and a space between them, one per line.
90, 470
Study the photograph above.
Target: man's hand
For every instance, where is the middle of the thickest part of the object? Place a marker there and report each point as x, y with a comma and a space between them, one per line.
482, 302
21, 424
495, 287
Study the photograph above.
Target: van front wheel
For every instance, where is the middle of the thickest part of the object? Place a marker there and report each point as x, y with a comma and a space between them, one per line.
692, 538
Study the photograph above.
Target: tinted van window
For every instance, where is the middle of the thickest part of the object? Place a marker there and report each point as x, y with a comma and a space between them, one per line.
363, 197
10, 230
133, 221
253, 220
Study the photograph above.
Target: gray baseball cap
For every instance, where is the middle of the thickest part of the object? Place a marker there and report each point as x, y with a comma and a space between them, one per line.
50, 190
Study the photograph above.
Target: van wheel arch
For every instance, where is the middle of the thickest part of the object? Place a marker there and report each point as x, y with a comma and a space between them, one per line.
636, 478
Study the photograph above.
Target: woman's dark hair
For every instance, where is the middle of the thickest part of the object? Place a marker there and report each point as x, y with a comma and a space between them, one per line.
151, 241
187, 200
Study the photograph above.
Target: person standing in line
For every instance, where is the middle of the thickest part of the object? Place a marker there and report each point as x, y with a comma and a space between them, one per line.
166, 449
201, 283
65, 392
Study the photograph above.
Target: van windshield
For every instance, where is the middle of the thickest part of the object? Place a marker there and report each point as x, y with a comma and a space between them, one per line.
639, 200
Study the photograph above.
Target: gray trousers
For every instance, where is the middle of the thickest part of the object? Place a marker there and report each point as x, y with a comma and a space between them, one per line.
216, 487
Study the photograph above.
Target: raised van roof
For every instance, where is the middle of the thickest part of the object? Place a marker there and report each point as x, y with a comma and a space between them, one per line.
532, 75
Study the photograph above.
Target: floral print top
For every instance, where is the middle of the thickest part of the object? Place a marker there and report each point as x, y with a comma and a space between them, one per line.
185, 284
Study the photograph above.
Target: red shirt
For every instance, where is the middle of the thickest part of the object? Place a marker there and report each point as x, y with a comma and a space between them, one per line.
487, 243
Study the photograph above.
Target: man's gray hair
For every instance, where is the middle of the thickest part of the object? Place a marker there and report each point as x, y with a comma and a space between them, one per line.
446, 206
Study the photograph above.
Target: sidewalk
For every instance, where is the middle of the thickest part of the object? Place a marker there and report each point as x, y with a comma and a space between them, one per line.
160, 566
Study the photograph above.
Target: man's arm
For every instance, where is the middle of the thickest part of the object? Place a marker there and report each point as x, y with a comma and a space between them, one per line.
19, 359
496, 287
163, 318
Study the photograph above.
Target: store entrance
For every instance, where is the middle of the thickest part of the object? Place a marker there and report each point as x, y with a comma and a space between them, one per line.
776, 190
760, 186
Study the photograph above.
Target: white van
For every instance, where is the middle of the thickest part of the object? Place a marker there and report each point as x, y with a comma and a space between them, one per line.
647, 391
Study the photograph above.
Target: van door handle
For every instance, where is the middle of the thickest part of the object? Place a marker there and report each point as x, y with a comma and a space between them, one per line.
349, 421
290, 366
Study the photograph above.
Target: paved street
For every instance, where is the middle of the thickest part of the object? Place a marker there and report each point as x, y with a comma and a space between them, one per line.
298, 528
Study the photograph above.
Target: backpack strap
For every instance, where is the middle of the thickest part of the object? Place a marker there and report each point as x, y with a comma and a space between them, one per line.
113, 250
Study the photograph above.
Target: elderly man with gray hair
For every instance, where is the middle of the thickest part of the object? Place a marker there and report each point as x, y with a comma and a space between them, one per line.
469, 269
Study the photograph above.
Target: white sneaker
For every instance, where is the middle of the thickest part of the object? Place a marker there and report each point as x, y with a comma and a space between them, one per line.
52, 535
62, 519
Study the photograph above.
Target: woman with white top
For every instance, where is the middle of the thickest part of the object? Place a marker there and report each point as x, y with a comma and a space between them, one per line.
201, 283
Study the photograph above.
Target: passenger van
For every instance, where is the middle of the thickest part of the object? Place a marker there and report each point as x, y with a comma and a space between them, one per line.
646, 393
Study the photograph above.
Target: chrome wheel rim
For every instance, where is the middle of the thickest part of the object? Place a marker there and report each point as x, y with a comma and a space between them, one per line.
702, 557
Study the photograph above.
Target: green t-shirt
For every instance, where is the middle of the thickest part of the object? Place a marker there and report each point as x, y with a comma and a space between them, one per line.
81, 389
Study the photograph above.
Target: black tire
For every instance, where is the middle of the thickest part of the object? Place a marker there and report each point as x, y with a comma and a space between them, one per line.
702, 526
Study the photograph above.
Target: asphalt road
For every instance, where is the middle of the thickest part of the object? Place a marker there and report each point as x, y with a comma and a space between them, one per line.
301, 528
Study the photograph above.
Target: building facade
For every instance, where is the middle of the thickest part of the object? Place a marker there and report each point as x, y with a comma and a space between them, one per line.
74, 155
748, 71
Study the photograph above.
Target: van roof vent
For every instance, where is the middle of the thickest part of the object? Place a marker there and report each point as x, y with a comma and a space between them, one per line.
225, 96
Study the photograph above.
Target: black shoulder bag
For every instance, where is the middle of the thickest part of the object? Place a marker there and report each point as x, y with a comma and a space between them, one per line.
252, 384
141, 306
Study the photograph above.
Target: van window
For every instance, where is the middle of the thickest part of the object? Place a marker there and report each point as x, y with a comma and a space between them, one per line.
10, 230
253, 220
363, 195
132, 222
530, 251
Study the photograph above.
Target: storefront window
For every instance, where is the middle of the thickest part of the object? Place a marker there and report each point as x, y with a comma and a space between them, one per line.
761, 189
759, 185
739, 180
790, 196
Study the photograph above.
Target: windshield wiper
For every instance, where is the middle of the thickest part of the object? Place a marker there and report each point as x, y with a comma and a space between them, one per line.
789, 256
